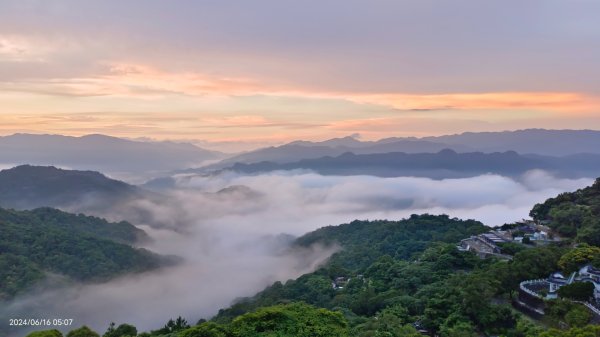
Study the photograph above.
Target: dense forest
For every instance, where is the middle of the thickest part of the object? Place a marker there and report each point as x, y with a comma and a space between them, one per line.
407, 278
573, 215
41, 241
441, 290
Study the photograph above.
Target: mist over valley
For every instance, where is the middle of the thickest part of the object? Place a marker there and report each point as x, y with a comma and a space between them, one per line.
235, 232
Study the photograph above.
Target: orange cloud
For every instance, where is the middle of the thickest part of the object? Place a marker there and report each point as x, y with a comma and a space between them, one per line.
549, 101
238, 121
141, 81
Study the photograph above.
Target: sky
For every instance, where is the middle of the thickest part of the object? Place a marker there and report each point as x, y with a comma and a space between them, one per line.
270, 71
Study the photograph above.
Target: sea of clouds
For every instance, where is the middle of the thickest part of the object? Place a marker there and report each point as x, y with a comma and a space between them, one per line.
226, 228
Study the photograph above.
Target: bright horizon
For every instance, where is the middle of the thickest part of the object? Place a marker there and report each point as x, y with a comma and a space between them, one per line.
247, 75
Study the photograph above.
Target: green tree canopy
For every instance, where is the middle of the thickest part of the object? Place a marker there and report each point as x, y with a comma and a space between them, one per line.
46, 333
84, 331
292, 320
123, 330
579, 291
578, 317
207, 329
576, 257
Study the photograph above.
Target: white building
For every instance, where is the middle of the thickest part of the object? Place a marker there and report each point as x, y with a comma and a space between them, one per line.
586, 273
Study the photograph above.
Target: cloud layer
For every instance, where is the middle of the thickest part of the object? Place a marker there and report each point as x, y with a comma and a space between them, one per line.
227, 233
287, 198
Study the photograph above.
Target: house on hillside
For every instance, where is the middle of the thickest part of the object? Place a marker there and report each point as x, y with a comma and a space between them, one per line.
555, 281
484, 245
527, 229
531, 230
586, 273
591, 274
340, 282
479, 246
532, 293
540, 236
493, 237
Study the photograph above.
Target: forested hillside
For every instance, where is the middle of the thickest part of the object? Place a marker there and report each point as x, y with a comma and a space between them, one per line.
431, 286
574, 215
26, 187
364, 242
33, 243
404, 278
123, 231
410, 272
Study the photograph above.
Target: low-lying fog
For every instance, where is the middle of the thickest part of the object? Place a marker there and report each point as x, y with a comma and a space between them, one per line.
228, 228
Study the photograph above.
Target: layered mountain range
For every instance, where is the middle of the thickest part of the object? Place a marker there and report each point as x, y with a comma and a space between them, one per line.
531, 141
444, 164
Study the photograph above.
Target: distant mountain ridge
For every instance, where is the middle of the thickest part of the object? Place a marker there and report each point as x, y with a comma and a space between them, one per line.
334, 147
444, 164
530, 141
100, 153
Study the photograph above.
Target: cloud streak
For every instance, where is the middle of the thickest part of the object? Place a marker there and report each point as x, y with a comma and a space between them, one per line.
147, 82
320, 63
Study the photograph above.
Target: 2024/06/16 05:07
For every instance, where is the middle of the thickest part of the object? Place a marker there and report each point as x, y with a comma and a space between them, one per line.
40, 321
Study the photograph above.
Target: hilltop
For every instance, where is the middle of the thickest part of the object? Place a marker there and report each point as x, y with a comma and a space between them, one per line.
29, 186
